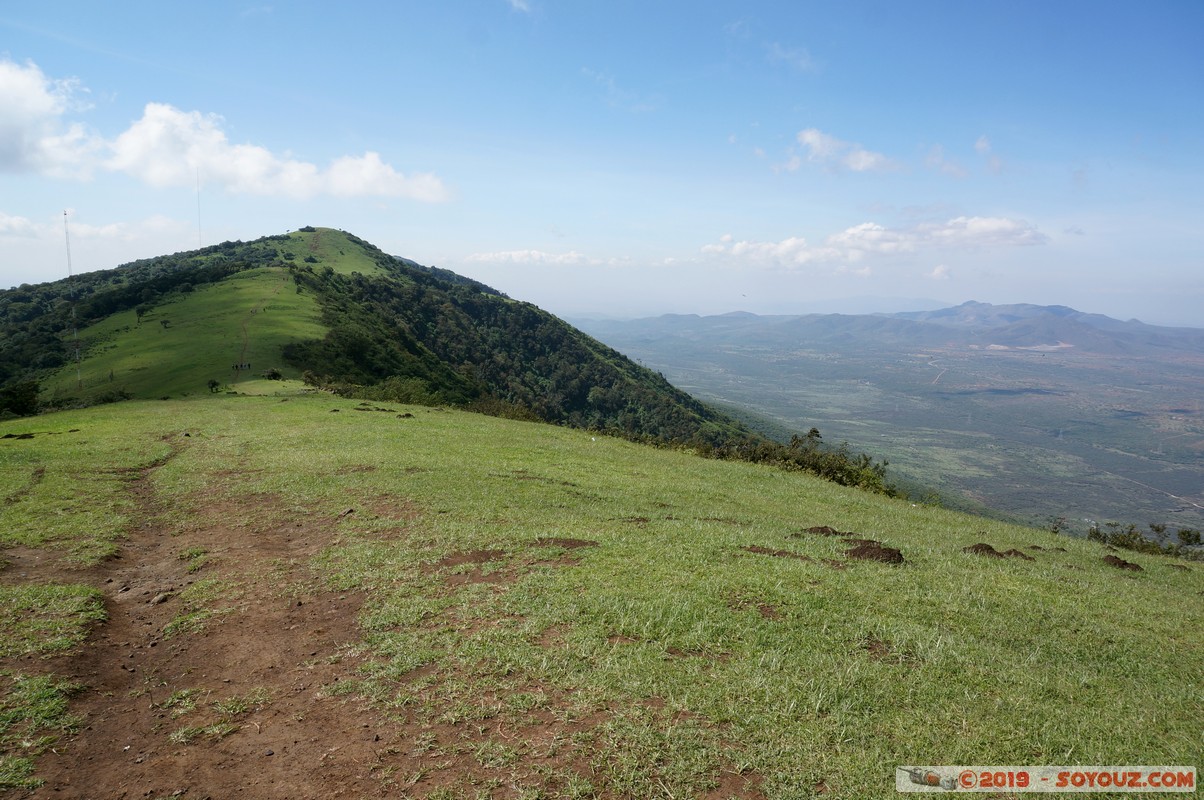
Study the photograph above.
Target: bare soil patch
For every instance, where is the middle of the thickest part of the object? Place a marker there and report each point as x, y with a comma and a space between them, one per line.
243, 706
984, 549
565, 542
769, 551
821, 530
1120, 563
879, 649
769, 611
875, 552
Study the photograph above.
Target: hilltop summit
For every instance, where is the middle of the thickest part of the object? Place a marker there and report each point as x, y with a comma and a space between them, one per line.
328, 306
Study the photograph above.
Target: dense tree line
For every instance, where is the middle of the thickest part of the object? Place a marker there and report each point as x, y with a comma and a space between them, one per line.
468, 343
413, 336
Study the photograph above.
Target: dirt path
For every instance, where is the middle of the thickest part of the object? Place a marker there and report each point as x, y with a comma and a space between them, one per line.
237, 708
246, 702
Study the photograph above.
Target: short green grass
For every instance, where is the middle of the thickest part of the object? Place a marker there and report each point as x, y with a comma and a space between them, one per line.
182, 344
46, 618
69, 486
201, 602
33, 714
665, 655
330, 248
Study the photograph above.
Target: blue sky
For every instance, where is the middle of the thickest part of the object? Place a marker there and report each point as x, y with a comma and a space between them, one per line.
630, 158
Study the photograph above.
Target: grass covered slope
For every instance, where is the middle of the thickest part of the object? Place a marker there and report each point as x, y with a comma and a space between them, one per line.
530, 611
177, 346
325, 305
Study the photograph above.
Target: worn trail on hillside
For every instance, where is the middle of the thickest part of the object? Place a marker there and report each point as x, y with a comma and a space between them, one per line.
219, 670
246, 337
236, 708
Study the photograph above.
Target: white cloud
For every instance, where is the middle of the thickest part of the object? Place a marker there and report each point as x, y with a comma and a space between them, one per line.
520, 5
983, 145
869, 237
170, 147
147, 229
822, 146
982, 232
939, 273
531, 257
871, 240
16, 226
33, 135
790, 252
367, 174
836, 153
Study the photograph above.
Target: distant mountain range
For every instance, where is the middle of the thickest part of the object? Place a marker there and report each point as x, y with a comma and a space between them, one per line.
970, 325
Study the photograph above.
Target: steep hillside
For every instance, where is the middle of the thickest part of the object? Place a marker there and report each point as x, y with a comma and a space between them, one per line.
309, 596
328, 306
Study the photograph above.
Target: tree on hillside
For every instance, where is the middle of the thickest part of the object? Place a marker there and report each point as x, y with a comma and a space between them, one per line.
19, 399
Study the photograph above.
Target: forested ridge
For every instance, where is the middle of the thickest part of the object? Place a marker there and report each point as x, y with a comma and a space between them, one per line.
461, 343
402, 332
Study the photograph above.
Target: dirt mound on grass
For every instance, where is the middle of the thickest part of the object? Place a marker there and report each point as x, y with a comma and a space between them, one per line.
1120, 563
872, 551
823, 530
982, 549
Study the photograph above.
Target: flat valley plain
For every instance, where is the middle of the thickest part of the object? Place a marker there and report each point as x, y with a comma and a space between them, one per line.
1029, 434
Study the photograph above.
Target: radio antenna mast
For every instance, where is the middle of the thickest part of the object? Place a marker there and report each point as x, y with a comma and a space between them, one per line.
79, 381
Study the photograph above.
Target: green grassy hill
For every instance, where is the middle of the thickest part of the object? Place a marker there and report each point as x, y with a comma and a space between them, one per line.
179, 345
300, 595
325, 305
